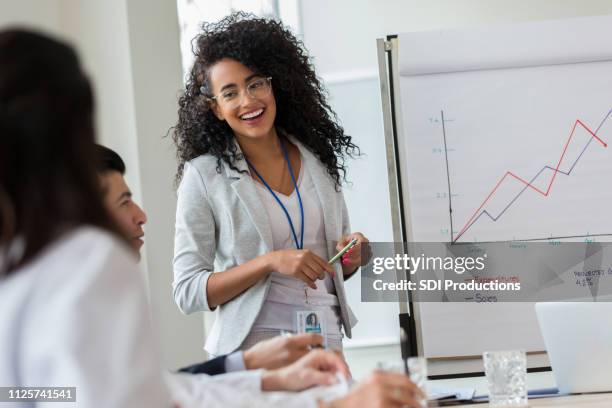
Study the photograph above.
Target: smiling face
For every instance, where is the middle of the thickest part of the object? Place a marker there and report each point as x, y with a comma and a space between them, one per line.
249, 116
128, 215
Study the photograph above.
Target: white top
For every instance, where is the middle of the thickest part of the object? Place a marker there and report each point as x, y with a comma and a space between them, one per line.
77, 315
241, 390
287, 294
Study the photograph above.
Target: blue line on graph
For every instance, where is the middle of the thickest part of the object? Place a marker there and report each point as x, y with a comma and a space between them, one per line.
495, 218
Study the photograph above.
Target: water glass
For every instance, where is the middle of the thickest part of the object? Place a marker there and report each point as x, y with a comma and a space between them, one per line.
417, 366
506, 372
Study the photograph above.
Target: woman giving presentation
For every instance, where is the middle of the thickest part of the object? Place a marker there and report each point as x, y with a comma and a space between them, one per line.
260, 209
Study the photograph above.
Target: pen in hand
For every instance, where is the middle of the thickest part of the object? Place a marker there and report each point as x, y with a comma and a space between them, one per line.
343, 251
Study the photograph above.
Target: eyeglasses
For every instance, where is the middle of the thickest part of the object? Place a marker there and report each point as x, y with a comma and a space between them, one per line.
257, 88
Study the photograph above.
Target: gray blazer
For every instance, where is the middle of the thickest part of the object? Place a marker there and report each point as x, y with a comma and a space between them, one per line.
220, 223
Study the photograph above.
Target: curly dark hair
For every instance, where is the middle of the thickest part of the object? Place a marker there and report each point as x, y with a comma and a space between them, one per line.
268, 48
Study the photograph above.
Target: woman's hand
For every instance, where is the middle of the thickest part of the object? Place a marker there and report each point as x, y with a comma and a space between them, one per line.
381, 390
318, 367
302, 264
352, 259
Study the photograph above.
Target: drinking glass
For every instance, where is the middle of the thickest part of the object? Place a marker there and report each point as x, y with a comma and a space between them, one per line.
417, 367
506, 372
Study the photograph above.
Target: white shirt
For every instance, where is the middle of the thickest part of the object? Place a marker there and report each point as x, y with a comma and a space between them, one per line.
287, 295
77, 316
231, 391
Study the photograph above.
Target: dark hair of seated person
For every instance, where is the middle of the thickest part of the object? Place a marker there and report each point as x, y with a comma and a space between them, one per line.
109, 160
48, 179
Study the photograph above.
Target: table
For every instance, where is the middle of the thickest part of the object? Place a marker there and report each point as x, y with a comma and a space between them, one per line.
534, 381
601, 400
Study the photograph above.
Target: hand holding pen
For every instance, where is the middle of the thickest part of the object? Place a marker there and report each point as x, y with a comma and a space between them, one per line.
352, 258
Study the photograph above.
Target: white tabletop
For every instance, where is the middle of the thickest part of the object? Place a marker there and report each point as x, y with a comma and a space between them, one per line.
534, 381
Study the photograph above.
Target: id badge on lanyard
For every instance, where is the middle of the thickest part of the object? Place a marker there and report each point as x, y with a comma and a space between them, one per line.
311, 321
306, 321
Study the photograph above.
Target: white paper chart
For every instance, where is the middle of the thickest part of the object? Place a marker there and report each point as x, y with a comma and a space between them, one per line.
506, 135
519, 154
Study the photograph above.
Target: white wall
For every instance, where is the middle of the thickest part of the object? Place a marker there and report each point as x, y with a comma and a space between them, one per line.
99, 31
157, 79
341, 36
43, 15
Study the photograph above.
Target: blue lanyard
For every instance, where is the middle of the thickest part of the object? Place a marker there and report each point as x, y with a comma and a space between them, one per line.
299, 244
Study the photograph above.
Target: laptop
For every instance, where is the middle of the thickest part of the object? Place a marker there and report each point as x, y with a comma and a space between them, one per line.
578, 339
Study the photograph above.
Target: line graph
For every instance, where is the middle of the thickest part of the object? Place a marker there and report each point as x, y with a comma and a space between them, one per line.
509, 175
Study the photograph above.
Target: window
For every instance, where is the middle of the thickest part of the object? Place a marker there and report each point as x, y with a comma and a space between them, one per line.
192, 13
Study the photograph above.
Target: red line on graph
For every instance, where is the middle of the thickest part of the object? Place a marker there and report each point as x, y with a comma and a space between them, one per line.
544, 193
